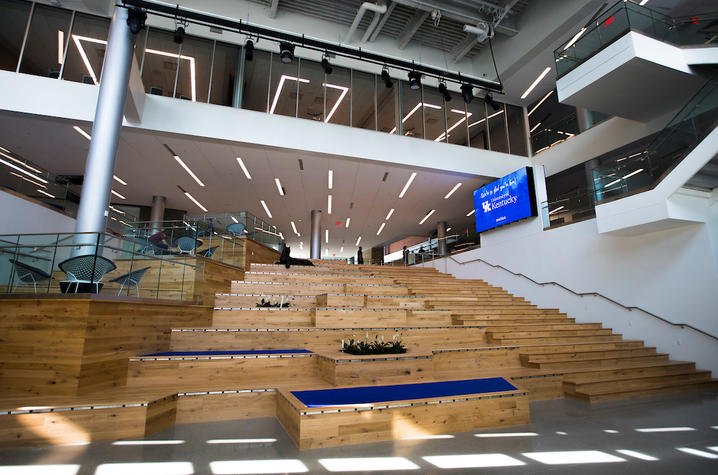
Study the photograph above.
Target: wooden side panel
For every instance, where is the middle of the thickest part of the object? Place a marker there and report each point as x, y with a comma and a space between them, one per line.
339, 318
161, 415
256, 253
224, 407
214, 278
454, 364
542, 387
382, 372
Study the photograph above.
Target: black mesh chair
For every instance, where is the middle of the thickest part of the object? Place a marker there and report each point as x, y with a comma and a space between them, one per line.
88, 269
27, 273
208, 252
131, 279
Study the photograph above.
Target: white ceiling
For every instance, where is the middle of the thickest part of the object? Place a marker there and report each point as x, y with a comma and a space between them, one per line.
149, 169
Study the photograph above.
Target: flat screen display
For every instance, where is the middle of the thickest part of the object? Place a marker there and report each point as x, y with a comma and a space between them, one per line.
505, 200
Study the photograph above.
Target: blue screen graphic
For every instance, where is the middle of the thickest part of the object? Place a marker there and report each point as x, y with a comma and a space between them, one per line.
504, 201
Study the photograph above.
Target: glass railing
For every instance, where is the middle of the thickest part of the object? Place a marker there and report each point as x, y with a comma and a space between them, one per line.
620, 175
575, 206
430, 249
549, 135
698, 29
98, 263
245, 222
613, 24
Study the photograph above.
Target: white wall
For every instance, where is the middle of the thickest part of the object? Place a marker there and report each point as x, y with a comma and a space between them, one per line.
28, 218
671, 273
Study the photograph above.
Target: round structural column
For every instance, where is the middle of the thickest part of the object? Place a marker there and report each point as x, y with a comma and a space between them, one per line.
97, 184
441, 236
315, 243
157, 214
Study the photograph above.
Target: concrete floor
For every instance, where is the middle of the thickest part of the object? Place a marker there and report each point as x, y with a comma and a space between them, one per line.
566, 436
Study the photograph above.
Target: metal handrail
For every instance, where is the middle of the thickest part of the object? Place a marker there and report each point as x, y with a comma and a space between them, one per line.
581, 294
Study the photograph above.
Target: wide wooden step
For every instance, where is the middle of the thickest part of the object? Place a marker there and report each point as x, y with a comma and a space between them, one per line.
583, 354
600, 361
628, 371
543, 340
576, 332
587, 345
497, 327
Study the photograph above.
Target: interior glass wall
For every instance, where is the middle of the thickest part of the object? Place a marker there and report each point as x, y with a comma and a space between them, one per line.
86, 52
255, 87
434, 115
363, 99
478, 131
283, 86
225, 70
338, 86
46, 41
517, 130
195, 65
13, 22
456, 124
311, 93
412, 113
497, 128
387, 106
159, 69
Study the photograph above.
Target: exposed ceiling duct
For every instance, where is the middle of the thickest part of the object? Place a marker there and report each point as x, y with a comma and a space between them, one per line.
363, 9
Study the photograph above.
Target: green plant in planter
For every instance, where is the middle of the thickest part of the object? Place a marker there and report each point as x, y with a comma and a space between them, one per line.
375, 347
268, 303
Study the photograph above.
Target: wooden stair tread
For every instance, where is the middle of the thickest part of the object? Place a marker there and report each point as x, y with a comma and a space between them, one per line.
577, 378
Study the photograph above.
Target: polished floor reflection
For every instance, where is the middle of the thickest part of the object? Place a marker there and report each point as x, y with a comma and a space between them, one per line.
663, 434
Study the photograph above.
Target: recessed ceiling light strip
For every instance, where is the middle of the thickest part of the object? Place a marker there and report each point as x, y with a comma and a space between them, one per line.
330, 179
244, 169
391, 211
348, 221
427, 216
28, 180
187, 169
471, 212
541, 101
358, 241
195, 201
408, 184
535, 83
118, 195
329, 204
381, 228
456, 187
279, 186
264, 205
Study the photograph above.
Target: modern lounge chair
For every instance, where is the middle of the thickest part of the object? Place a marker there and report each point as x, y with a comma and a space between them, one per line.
208, 252
236, 229
27, 273
187, 244
131, 279
87, 269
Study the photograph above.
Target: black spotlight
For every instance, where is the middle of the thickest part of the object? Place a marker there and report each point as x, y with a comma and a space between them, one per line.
444, 91
490, 101
179, 34
414, 80
286, 52
467, 90
387, 79
327, 67
136, 19
249, 50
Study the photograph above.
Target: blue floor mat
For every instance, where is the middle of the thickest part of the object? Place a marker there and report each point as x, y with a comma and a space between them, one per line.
227, 353
401, 392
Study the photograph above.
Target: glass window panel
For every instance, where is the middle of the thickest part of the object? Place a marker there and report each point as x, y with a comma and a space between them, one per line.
224, 75
256, 82
311, 93
194, 69
87, 49
412, 116
160, 67
140, 46
387, 105
12, 30
283, 87
456, 120
517, 130
46, 41
338, 97
497, 129
363, 100
434, 119
478, 132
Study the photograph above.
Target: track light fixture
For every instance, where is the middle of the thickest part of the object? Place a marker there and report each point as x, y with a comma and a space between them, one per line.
326, 66
136, 19
179, 34
414, 80
444, 91
286, 52
387, 79
249, 50
467, 90
490, 101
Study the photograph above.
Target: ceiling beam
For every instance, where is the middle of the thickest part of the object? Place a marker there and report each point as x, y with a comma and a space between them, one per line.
463, 48
382, 22
273, 9
412, 27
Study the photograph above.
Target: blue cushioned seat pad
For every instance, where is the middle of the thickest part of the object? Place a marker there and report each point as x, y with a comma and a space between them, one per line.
227, 353
401, 392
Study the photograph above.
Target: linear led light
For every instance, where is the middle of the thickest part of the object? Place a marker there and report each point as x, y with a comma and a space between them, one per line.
279, 89
279, 186
643, 2
612, 183
578, 35
21, 170
281, 235
388, 215
393, 130
416, 107
348, 221
448, 229
489, 117
186, 168
329, 204
358, 241
301, 245
470, 212
45, 193
326, 236
116, 210
244, 169
118, 195
408, 184
82, 132
195, 201
535, 83
234, 219
341, 97
28, 180
460, 121
456, 187
330, 179
381, 228
557, 209
633, 173
341, 249
60, 42
119, 180
264, 205
294, 228
541, 102
534, 128
427, 216
20, 162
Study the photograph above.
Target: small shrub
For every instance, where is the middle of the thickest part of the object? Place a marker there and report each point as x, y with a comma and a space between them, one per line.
268, 303
375, 347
